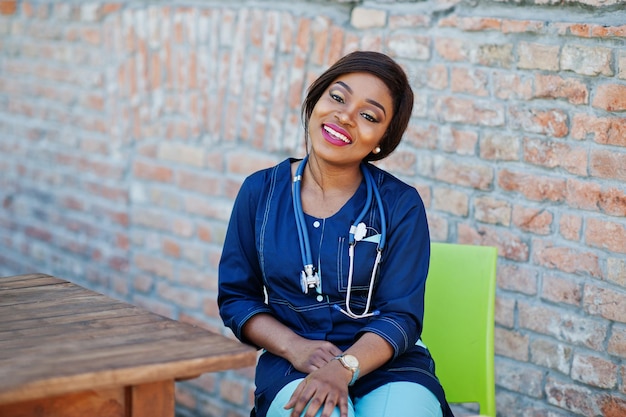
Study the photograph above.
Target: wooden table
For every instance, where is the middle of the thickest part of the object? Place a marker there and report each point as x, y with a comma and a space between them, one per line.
67, 351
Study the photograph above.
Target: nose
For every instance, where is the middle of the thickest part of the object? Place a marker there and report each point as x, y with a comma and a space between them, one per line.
344, 117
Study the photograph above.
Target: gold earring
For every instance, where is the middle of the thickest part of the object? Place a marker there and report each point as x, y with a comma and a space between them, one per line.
376, 150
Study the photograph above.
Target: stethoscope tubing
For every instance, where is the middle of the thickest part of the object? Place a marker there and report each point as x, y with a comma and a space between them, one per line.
305, 248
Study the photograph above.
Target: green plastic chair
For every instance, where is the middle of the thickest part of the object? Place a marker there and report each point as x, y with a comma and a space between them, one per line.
459, 322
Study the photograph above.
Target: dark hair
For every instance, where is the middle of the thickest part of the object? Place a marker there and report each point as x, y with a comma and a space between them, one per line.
389, 72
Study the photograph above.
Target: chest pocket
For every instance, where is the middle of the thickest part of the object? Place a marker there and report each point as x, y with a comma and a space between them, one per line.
365, 253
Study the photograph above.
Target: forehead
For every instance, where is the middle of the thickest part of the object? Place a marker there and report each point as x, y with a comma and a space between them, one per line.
366, 85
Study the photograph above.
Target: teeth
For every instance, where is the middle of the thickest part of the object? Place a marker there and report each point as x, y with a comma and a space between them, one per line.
336, 134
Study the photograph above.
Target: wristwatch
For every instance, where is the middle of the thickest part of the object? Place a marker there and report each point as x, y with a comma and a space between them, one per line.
351, 363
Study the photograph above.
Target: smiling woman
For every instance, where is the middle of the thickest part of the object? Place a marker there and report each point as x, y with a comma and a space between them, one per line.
341, 324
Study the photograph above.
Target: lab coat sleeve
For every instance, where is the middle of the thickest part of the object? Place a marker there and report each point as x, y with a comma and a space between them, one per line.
400, 289
240, 290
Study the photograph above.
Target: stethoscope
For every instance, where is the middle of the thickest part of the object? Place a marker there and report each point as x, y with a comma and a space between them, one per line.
309, 277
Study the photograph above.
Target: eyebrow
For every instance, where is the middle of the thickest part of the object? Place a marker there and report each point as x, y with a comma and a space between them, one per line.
369, 100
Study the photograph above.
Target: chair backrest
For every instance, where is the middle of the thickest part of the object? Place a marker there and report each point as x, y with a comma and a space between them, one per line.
459, 321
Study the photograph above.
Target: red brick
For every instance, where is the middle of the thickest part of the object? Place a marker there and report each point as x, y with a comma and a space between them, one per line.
518, 377
605, 131
570, 227
467, 175
594, 371
583, 195
606, 234
534, 187
450, 201
556, 87
551, 354
616, 271
617, 341
475, 81
8, 7
511, 344
491, 210
154, 264
420, 136
170, 248
566, 259
563, 325
509, 86
553, 154
185, 397
245, 163
493, 55
455, 109
605, 302
437, 77
518, 278
522, 26
409, 21
409, 46
450, 49
534, 220
586, 60
462, 142
505, 311
613, 202
499, 146
612, 406
538, 56
232, 391
608, 164
610, 97
152, 171
509, 245
544, 122
561, 290
181, 297
471, 24
400, 162
575, 398
438, 227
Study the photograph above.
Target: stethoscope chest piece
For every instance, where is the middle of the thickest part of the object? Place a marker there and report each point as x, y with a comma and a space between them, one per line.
310, 279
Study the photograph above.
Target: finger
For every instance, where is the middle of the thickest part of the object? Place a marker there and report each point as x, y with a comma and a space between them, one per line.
313, 407
301, 399
296, 394
329, 407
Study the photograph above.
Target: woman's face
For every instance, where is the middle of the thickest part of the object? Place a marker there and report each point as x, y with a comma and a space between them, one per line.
350, 118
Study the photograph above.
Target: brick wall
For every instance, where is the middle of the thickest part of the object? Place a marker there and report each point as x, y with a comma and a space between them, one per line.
126, 129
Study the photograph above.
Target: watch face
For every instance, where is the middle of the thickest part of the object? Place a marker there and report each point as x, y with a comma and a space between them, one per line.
351, 361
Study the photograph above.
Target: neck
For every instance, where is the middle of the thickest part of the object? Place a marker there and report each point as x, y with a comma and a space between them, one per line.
328, 178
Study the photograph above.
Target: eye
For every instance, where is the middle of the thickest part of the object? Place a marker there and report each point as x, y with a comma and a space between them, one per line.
369, 117
338, 98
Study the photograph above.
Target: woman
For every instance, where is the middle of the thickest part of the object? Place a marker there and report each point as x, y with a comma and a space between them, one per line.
325, 260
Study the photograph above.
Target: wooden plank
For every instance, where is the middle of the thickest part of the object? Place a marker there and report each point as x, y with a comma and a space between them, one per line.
55, 375
84, 329
28, 280
156, 399
103, 403
59, 307
89, 316
146, 330
36, 295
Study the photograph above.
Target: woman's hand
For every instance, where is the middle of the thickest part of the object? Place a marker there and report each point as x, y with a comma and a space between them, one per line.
323, 389
310, 355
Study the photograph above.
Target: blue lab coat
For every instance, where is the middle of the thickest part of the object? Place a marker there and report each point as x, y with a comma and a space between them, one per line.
262, 258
